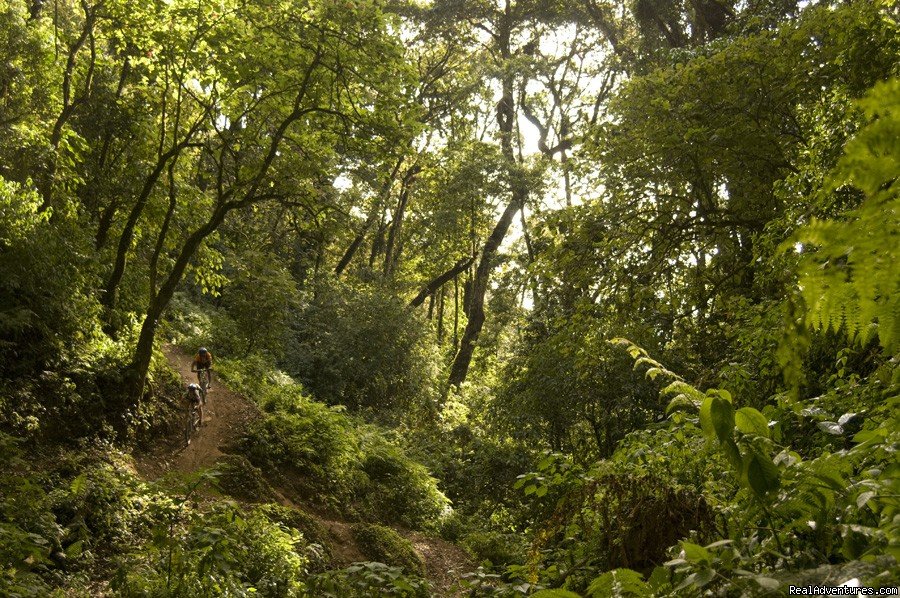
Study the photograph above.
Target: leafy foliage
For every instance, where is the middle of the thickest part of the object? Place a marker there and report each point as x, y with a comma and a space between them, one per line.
383, 544
848, 275
361, 348
329, 457
369, 579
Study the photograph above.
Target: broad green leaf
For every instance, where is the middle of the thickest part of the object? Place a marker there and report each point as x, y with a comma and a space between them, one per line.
864, 498
762, 475
706, 422
767, 583
831, 427
619, 582
733, 454
722, 414
555, 594
750, 421
694, 552
698, 579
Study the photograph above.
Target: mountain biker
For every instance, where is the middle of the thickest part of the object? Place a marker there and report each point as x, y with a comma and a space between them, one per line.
193, 398
203, 361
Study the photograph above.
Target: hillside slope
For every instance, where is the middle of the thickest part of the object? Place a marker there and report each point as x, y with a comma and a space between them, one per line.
226, 415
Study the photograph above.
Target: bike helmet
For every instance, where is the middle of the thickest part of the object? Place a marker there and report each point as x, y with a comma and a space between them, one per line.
202, 351
193, 387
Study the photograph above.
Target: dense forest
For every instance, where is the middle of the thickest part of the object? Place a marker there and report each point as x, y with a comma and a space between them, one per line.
546, 298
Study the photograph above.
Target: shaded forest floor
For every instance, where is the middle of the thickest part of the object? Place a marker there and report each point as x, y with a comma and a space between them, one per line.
225, 415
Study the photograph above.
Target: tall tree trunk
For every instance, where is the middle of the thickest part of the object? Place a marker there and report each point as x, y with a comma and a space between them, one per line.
455, 312
377, 242
506, 123
377, 210
110, 291
105, 223
440, 316
144, 350
163, 231
88, 193
137, 372
46, 182
439, 281
463, 359
392, 249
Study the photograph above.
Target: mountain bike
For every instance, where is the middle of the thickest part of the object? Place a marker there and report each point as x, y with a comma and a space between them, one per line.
193, 420
203, 377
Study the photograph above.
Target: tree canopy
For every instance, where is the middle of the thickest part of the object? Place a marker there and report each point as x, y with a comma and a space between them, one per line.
599, 295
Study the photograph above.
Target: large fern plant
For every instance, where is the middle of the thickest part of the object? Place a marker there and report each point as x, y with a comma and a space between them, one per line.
850, 268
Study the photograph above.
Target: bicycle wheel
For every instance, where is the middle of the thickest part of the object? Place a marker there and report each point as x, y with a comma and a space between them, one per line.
192, 422
204, 383
188, 425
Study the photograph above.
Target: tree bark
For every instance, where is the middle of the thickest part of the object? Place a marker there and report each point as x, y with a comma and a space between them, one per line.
463, 359
440, 316
144, 350
439, 281
455, 312
376, 211
47, 181
140, 365
392, 249
108, 300
506, 123
164, 230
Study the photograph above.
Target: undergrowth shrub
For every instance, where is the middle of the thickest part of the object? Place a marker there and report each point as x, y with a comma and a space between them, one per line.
385, 545
607, 517
225, 551
362, 347
493, 549
396, 489
313, 532
327, 456
363, 580
83, 396
237, 477
67, 518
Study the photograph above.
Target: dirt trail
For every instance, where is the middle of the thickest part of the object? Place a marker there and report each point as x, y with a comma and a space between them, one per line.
226, 415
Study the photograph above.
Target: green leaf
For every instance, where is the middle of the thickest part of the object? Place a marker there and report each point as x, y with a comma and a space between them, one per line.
864, 498
74, 549
722, 414
767, 583
750, 421
618, 582
831, 427
78, 484
679, 403
698, 579
694, 552
720, 393
762, 475
555, 594
706, 422
733, 455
